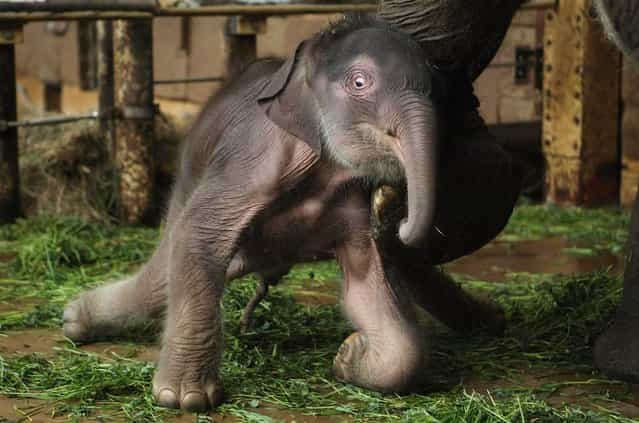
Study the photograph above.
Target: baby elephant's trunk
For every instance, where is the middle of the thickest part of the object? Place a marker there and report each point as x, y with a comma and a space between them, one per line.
418, 133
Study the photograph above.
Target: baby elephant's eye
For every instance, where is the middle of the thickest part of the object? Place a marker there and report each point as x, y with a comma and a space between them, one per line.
358, 81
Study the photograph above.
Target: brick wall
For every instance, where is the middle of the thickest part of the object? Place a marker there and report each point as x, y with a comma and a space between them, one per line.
503, 101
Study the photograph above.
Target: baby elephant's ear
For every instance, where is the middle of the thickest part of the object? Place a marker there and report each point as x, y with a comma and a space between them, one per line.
288, 102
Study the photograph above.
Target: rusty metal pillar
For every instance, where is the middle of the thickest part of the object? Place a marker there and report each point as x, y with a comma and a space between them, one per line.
581, 108
241, 41
9, 171
133, 65
106, 93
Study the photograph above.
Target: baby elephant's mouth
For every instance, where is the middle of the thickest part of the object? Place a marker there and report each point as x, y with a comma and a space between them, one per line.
388, 208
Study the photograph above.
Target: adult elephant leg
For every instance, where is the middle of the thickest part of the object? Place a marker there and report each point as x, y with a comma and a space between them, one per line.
458, 34
621, 21
386, 353
617, 349
479, 186
436, 292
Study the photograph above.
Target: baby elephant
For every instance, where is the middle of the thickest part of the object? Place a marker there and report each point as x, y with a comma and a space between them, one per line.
279, 169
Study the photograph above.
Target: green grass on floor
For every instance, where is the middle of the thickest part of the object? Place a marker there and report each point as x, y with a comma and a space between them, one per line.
592, 230
285, 361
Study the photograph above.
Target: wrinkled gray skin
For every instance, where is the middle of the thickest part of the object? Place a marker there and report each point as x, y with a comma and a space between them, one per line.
454, 34
279, 169
617, 349
621, 22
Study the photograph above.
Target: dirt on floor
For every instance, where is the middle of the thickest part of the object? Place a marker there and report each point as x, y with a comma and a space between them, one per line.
492, 263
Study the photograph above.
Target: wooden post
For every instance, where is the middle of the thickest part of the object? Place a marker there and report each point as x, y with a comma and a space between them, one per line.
581, 108
241, 41
133, 64
9, 172
106, 93
629, 134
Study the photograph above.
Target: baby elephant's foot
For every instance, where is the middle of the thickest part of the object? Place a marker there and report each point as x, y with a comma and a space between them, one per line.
77, 322
181, 382
105, 312
357, 362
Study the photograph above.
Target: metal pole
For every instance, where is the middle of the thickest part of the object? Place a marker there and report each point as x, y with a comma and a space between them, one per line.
9, 172
133, 64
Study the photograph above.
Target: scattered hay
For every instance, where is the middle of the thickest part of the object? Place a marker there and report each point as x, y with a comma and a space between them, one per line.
285, 361
67, 170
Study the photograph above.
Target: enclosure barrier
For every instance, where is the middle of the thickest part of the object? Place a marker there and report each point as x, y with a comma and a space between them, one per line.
147, 9
581, 115
125, 62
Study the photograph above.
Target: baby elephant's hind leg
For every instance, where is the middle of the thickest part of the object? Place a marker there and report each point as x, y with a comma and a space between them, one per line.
387, 353
268, 278
118, 308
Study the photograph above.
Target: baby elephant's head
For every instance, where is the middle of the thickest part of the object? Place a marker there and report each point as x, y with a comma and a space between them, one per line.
364, 93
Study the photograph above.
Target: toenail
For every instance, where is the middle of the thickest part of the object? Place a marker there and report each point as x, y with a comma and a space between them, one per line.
168, 398
194, 402
338, 371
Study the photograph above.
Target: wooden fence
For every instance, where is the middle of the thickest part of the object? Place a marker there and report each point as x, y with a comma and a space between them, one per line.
575, 52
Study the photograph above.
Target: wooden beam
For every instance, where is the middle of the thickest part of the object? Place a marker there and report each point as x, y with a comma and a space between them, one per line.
75, 5
9, 172
133, 64
116, 11
581, 113
91, 15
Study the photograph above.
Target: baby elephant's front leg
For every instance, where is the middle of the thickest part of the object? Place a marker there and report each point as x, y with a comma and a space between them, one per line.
187, 374
386, 353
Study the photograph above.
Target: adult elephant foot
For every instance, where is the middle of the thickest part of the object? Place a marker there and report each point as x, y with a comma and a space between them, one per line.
617, 349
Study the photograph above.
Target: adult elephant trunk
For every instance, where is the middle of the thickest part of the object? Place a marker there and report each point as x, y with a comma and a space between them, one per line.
458, 34
621, 21
417, 129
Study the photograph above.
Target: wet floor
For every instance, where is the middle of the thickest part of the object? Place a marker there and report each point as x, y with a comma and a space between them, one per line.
496, 262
